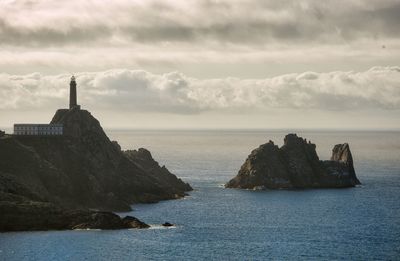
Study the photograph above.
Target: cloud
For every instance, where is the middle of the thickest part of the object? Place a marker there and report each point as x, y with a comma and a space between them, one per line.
49, 36
202, 38
253, 22
135, 90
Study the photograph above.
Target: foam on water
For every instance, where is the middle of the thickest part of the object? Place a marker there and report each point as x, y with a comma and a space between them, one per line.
87, 229
161, 227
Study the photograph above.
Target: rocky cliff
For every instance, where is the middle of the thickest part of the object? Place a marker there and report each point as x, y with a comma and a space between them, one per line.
36, 215
295, 165
82, 169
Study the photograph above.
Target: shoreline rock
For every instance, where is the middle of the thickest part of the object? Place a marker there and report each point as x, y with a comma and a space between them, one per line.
295, 165
82, 169
42, 216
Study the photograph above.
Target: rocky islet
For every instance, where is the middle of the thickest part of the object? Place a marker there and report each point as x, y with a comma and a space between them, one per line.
295, 165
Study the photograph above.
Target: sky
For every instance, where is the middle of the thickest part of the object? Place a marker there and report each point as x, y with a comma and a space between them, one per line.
165, 64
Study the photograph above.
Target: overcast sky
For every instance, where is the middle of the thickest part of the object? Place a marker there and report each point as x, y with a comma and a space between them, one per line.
204, 63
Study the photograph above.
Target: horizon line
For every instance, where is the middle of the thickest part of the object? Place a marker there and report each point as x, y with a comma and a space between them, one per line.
107, 128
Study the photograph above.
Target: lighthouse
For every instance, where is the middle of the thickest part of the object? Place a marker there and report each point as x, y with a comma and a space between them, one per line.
72, 94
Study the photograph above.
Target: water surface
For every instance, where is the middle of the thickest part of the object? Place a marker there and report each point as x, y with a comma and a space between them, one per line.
360, 223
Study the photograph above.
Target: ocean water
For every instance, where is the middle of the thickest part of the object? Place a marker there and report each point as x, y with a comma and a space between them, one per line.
215, 223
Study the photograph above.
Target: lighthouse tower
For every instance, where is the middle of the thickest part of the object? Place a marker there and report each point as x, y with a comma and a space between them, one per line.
72, 94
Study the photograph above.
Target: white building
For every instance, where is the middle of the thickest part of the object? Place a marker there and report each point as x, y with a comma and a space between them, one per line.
38, 129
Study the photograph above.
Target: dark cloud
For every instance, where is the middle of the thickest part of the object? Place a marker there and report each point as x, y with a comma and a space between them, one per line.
243, 23
50, 36
379, 23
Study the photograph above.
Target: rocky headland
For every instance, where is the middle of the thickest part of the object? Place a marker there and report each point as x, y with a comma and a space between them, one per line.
66, 182
27, 215
295, 165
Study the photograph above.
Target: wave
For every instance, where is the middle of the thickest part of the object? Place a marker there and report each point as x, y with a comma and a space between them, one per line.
87, 229
160, 227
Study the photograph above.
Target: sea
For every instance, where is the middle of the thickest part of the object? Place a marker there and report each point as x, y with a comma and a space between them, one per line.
214, 223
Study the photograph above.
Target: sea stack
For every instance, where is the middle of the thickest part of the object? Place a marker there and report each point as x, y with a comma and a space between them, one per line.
295, 165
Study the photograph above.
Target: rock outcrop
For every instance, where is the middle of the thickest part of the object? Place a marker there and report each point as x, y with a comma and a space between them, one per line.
82, 169
134, 222
167, 224
34, 215
144, 160
295, 165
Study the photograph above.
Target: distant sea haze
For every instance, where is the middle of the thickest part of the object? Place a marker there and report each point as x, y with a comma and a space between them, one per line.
214, 223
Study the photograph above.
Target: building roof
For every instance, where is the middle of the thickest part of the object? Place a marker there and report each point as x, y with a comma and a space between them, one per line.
39, 124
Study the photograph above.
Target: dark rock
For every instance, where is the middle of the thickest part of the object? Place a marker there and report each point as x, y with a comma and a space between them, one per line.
295, 165
145, 161
84, 169
134, 222
34, 215
2, 133
341, 153
167, 224
94, 220
116, 145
